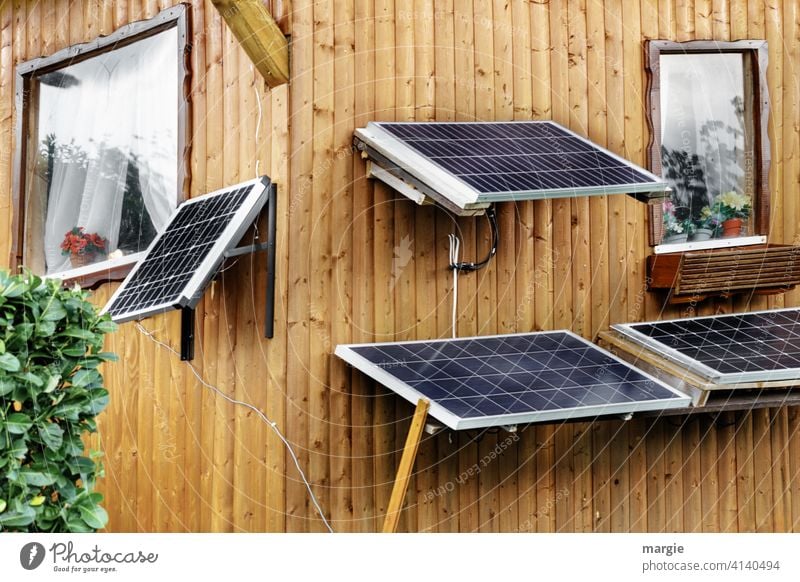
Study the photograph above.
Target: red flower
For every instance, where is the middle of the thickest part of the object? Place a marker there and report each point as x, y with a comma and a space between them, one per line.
78, 242
97, 241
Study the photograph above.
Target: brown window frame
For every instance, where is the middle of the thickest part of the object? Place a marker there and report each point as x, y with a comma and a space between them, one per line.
176, 16
759, 60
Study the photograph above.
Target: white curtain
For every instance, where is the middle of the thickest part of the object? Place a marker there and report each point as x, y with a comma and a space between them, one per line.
698, 116
126, 113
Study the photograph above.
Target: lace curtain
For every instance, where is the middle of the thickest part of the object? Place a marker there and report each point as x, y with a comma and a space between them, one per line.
107, 125
703, 126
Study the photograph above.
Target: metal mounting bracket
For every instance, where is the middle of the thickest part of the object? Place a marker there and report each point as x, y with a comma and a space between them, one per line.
187, 333
187, 313
270, 208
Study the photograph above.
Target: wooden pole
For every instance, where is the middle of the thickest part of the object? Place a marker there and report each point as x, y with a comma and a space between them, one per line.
406, 464
260, 37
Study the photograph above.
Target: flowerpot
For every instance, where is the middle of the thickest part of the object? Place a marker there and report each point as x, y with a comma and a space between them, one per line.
702, 234
732, 228
84, 259
672, 239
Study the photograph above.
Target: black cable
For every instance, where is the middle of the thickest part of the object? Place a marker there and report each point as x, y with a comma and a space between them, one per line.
469, 267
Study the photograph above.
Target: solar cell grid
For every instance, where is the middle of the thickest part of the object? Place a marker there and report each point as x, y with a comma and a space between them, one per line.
183, 256
508, 157
465, 166
728, 349
509, 379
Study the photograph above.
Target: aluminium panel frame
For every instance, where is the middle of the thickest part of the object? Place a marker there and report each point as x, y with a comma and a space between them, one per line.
193, 290
697, 367
455, 422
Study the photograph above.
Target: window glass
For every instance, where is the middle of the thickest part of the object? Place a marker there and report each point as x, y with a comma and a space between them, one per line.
707, 152
102, 163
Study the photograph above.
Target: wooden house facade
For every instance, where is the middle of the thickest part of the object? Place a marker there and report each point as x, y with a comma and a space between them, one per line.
356, 262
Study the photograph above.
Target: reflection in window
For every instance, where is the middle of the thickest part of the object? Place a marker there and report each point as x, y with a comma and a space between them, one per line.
707, 145
103, 162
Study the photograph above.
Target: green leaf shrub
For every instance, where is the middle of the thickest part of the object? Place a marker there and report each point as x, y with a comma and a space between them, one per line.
50, 393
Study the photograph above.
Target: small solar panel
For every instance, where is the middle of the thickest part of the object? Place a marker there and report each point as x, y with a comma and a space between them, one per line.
727, 349
183, 258
500, 161
511, 379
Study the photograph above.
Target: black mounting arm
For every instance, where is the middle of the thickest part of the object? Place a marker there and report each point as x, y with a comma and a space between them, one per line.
187, 313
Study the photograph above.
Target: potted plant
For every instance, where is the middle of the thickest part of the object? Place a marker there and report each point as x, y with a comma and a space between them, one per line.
83, 248
734, 209
678, 224
708, 226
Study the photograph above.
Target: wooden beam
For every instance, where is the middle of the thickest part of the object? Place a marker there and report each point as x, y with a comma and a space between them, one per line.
260, 37
406, 464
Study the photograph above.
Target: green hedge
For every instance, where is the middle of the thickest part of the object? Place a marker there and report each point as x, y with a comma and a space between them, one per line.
50, 393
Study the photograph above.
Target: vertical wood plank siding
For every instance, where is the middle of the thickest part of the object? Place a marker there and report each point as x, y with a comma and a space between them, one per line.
357, 263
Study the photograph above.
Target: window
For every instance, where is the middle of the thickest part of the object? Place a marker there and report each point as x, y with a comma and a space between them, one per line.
100, 157
708, 111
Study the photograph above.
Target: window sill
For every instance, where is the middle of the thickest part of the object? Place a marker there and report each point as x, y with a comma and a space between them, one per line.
719, 243
92, 276
691, 277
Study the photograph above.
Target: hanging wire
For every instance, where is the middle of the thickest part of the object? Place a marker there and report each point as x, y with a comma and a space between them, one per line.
469, 267
455, 245
458, 266
258, 123
227, 267
260, 414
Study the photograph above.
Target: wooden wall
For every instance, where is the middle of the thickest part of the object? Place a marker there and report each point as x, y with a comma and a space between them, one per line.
358, 264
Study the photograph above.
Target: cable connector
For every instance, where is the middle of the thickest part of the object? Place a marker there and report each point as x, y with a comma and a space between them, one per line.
468, 267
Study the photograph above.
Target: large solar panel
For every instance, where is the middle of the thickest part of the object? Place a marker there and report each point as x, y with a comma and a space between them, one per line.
183, 258
511, 379
483, 162
727, 349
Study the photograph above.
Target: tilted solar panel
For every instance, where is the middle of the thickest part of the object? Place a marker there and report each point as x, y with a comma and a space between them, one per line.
183, 258
473, 163
727, 349
511, 379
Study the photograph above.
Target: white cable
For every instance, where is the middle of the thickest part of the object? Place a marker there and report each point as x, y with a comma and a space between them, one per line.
258, 123
230, 266
457, 256
249, 406
455, 246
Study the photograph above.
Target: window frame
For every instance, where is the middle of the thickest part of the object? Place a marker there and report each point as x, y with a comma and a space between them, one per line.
176, 16
758, 51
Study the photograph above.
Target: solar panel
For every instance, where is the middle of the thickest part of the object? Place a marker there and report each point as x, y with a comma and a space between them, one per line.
511, 379
484, 162
183, 258
727, 349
